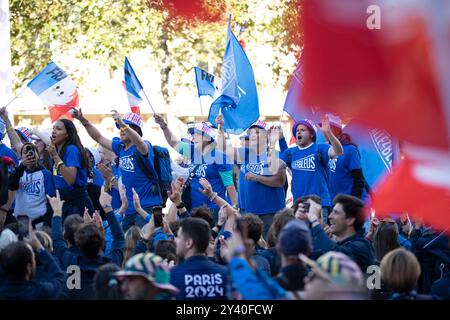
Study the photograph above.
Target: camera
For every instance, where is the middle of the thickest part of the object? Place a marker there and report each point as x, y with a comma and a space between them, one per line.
29, 151
23, 221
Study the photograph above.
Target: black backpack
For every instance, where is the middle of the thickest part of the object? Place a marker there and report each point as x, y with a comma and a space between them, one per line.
163, 169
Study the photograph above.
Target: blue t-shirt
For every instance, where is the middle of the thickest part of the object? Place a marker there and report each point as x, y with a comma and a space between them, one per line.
241, 188
98, 178
259, 198
207, 166
133, 176
72, 158
309, 171
341, 180
7, 152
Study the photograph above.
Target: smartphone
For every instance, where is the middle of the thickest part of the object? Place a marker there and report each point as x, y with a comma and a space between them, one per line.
158, 217
306, 205
23, 222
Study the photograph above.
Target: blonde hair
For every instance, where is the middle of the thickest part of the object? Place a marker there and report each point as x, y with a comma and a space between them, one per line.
400, 270
132, 236
45, 240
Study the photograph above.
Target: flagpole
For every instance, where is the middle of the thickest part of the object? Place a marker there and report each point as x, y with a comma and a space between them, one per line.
148, 101
281, 117
440, 234
201, 106
15, 97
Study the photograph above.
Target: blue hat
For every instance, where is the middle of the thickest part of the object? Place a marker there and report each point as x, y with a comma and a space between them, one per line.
295, 238
307, 123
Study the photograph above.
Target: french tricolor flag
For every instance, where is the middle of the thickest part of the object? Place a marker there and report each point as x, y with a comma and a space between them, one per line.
55, 88
133, 87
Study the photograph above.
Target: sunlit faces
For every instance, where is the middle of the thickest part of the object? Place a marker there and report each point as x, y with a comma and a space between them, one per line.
257, 137
338, 220
200, 140
59, 133
303, 135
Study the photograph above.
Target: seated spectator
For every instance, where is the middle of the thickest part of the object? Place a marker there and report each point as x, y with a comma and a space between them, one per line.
197, 277
295, 238
385, 238
255, 229
106, 286
400, 271
89, 239
347, 219
146, 277
280, 219
18, 262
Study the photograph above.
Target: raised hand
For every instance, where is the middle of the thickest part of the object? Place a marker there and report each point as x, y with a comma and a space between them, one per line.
3, 113
325, 127
220, 121
124, 200
160, 121
175, 192
136, 200
117, 118
105, 171
56, 203
105, 198
78, 114
207, 188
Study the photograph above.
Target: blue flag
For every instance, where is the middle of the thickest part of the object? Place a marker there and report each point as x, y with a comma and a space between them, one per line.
378, 151
293, 105
207, 83
132, 84
238, 98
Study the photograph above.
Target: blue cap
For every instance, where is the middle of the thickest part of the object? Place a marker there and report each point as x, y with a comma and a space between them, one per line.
295, 238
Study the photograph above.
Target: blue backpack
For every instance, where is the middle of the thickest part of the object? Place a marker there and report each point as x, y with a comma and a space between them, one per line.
162, 167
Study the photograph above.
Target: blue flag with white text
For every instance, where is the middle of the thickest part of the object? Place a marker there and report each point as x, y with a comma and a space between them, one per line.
238, 98
207, 83
293, 105
378, 150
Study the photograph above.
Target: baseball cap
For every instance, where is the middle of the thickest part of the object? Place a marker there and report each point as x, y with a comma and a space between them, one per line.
24, 132
295, 238
259, 124
151, 267
308, 124
132, 118
205, 129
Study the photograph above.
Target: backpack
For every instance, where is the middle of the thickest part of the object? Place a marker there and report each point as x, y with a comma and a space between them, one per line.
161, 164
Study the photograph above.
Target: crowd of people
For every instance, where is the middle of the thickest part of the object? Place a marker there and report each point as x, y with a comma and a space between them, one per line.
88, 223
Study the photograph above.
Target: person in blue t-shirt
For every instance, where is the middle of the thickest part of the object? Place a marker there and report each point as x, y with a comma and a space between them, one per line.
263, 187
70, 163
128, 148
346, 174
206, 162
308, 161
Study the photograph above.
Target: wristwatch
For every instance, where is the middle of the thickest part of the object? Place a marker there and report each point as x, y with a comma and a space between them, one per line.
181, 205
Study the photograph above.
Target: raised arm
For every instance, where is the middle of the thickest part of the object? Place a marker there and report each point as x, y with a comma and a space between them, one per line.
12, 134
336, 148
170, 137
93, 132
135, 138
231, 152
